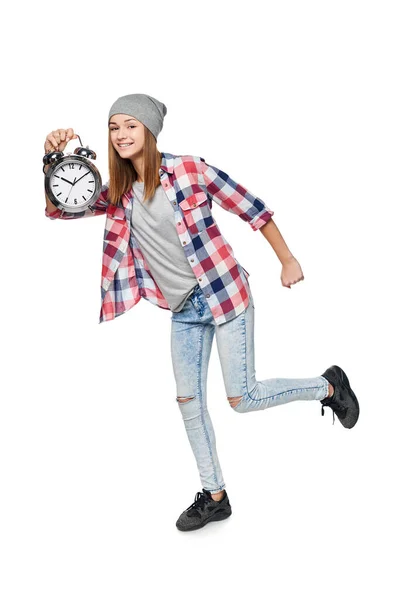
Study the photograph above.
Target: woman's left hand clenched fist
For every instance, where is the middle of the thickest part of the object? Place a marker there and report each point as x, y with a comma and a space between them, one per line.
291, 272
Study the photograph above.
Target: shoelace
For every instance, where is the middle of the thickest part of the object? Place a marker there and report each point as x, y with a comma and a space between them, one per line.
200, 500
334, 403
333, 412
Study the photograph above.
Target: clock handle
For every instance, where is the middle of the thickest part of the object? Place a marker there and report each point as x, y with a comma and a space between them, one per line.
86, 152
55, 155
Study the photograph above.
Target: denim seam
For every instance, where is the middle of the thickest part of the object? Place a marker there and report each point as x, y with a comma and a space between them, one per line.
199, 374
244, 370
219, 489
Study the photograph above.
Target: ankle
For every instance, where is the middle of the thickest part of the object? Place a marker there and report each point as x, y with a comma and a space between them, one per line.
218, 496
331, 391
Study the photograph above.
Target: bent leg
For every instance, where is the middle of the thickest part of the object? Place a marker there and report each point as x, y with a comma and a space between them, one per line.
235, 342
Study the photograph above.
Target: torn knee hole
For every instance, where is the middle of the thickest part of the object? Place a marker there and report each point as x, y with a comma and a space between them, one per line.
235, 401
184, 398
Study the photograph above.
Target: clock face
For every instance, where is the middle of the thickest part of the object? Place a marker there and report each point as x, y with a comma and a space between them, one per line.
73, 183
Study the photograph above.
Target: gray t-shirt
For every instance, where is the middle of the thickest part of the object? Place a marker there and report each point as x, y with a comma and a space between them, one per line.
154, 228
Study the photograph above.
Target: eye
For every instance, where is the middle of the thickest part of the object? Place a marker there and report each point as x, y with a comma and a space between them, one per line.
114, 128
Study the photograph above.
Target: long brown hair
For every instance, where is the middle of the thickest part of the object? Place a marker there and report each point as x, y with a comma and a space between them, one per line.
123, 174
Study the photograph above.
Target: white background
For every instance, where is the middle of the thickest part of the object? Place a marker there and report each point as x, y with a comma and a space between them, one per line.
298, 101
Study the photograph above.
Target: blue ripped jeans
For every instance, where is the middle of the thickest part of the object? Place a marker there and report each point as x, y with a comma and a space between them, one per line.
192, 333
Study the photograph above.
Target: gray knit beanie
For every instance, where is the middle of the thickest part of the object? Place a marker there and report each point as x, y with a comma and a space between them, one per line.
144, 108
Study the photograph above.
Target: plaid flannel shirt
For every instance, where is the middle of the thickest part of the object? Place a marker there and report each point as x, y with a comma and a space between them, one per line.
190, 185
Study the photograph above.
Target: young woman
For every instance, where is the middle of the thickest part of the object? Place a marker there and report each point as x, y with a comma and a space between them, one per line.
162, 243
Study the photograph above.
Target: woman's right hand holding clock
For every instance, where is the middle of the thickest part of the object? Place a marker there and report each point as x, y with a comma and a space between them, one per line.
58, 139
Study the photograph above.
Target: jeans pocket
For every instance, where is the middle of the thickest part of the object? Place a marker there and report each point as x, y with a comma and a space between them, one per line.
197, 304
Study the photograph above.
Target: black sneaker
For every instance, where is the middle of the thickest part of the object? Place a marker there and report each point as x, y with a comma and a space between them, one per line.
203, 510
343, 402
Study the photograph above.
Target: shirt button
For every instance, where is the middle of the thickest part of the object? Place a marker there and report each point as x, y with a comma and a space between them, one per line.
184, 243
207, 295
179, 223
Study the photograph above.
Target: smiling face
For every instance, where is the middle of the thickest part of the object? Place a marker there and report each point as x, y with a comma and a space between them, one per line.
127, 135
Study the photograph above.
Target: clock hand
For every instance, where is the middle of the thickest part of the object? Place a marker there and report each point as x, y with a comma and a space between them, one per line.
72, 185
81, 177
70, 182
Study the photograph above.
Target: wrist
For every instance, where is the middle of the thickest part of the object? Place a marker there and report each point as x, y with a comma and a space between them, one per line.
287, 258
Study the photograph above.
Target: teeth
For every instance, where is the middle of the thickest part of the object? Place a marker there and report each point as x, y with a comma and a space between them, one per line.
124, 145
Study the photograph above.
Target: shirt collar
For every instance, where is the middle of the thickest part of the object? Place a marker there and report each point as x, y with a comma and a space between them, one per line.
167, 162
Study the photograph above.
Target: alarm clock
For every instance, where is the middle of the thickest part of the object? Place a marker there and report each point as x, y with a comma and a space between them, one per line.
72, 182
